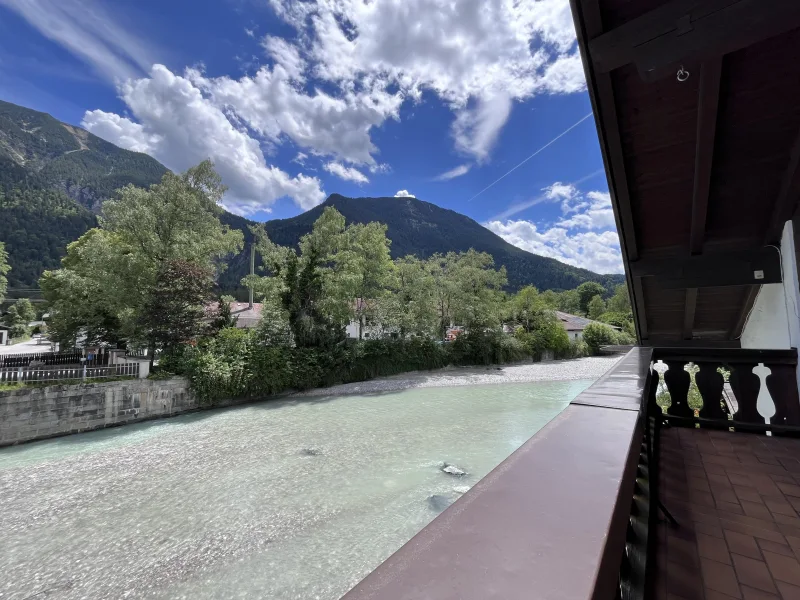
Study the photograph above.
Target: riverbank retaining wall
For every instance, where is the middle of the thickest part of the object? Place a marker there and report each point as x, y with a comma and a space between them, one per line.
36, 413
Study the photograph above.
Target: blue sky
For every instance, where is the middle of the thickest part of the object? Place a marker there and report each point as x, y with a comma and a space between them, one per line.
297, 100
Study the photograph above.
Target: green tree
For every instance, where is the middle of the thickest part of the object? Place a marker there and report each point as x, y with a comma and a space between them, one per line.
479, 290
526, 306
175, 311
620, 302
596, 335
569, 302
596, 307
586, 291
109, 275
4, 269
19, 315
411, 307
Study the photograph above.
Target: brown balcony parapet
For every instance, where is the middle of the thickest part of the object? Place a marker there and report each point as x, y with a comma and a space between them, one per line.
551, 521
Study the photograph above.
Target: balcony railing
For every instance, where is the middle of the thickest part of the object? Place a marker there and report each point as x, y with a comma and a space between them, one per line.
574, 512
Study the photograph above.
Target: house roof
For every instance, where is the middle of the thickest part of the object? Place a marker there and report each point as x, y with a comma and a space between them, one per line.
245, 316
696, 108
576, 323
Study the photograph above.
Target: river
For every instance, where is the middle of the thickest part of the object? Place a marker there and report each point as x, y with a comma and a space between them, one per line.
284, 499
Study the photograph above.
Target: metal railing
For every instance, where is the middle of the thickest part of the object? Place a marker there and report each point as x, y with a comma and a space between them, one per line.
23, 374
71, 357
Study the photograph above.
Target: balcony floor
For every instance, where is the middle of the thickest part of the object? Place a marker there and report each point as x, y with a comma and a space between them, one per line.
736, 497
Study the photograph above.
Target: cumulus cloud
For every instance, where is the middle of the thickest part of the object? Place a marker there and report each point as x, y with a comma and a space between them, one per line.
453, 173
404, 194
583, 236
181, 127
479, 56
596, 251
346, 173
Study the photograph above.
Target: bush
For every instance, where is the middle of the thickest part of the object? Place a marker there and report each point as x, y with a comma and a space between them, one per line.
596, 335
486, 348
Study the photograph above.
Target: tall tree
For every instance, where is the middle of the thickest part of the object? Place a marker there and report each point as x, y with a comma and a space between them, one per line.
109, 275
620, 302
596, 307
175, 311
586, 291
412, 306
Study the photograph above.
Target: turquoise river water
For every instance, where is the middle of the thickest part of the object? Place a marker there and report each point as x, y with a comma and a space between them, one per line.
285, 499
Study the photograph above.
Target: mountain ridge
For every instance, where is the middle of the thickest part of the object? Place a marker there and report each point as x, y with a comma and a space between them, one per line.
54, 177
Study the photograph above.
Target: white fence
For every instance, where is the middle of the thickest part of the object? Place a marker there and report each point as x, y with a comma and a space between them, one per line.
11, 375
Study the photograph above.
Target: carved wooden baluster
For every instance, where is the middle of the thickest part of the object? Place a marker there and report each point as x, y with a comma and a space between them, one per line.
710, 383
782, 386
651, 398
745, 385
678, 381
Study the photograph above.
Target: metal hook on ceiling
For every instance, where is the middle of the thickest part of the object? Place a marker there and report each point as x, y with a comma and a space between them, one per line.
683, 74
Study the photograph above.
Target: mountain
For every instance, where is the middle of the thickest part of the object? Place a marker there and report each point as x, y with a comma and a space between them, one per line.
421, 228
54, 178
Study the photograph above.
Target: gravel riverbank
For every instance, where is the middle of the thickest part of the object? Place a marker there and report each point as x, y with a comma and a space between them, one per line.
558, 370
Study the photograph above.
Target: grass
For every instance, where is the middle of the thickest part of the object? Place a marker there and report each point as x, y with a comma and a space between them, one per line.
18, 385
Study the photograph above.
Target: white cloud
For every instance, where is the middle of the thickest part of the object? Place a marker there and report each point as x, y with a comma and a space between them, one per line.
85, 29
596, 251
479, 56
285, 55
453, 173
404, 194
593, 213
181, 127
346, 173
300, 159
475, 130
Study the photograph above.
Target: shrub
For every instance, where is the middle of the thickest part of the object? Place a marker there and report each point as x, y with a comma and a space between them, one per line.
596, 335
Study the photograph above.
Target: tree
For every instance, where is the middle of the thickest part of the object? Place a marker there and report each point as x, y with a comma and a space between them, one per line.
596, 307
569, 302
109, 275
175, 312
4, 269
586, 291
224, 318
620, 302
411, 307
19, 315
526, 306
596, 335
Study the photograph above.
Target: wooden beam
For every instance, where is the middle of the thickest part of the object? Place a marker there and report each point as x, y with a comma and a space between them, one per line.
786, 203
741, 319
688, 30
707, 108
688, 313
639, 309
713, 270
699, 343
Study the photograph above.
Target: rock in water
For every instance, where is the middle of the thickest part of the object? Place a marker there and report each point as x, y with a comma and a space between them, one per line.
310, 452
453, 470
461, 489
438, 502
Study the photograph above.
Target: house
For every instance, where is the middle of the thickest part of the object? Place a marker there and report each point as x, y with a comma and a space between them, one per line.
246, 316
4, 335
575, 324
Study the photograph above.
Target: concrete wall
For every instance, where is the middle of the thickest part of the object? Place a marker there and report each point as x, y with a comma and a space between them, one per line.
36, 413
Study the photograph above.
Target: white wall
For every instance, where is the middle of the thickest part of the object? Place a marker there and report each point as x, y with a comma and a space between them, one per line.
775, 319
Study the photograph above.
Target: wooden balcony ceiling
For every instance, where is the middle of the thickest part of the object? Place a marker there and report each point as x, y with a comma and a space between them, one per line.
703, 172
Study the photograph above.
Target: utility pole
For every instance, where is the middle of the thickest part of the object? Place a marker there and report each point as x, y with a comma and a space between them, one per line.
252, 270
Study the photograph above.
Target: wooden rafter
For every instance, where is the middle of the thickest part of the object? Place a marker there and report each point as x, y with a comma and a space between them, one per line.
707, 110
788, 195
684, 30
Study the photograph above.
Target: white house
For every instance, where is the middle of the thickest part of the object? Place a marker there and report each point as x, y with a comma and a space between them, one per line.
575, 324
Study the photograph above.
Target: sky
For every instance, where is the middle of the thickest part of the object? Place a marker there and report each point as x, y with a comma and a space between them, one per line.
479, 106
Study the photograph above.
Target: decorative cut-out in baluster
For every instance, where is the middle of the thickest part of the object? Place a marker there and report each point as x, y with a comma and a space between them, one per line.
764, 404
710, 383
782, 386
653, 392
745, 385
678, 382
